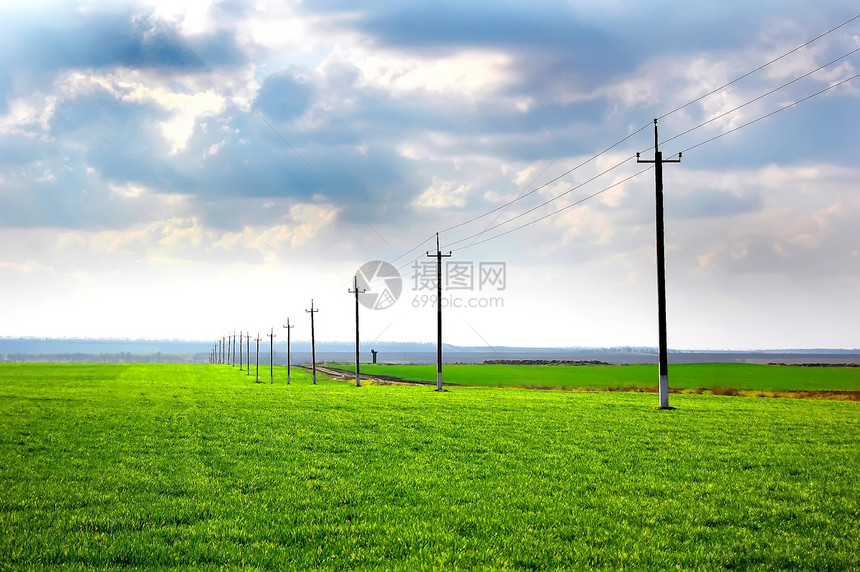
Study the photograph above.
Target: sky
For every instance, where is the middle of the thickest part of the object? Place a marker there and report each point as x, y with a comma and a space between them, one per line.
183, 170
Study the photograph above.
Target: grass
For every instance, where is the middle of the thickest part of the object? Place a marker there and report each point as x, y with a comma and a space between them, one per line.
149, 466
746, 377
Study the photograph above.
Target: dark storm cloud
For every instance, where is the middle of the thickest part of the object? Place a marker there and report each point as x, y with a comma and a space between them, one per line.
36, 45
119, 139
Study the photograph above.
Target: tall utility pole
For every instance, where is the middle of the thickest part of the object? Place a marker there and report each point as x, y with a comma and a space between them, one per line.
313, 342
248, 340
241, 365
663, 368
221, 360
233, 361
356, 291
258, 357
272, 335
438, 256
288, 327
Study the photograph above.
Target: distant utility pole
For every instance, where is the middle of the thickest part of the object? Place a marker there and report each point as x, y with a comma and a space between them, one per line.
288, 327
438, 256
221, 359
272, 335
663, 368
248, 340
313, 342
234, 350
356, 291
241, 365
258, 358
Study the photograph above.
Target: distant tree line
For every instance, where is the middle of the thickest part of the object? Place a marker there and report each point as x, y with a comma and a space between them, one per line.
120, 357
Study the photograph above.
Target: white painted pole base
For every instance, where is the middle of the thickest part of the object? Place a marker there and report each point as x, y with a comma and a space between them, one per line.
664, 392
438, 381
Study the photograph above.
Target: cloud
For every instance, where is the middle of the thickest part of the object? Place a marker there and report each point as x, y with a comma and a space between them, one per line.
145, 136
284, 96
442, 195
711, 202
71, 38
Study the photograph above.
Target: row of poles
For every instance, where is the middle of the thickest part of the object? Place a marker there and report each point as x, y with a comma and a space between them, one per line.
218, 354
224, 349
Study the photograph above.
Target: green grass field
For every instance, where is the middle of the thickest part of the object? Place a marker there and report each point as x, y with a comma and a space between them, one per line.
152, 466
750, 377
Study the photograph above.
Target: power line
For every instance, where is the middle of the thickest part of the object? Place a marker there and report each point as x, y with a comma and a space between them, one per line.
545, 169
761, 67
580, 201
789, 106
543, 204
546, 216
762, 96
712, 92
506, 205
595, 156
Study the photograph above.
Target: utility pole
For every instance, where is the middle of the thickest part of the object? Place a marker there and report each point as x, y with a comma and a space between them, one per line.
663, 367
248, 340
258, 358
438, 256
241, 365
356, 291
288, 327
234, 350
272, 335
313, 342
221, 359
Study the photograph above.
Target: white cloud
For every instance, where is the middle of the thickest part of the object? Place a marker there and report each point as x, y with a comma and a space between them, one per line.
27, 267
465, 75
302, 223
